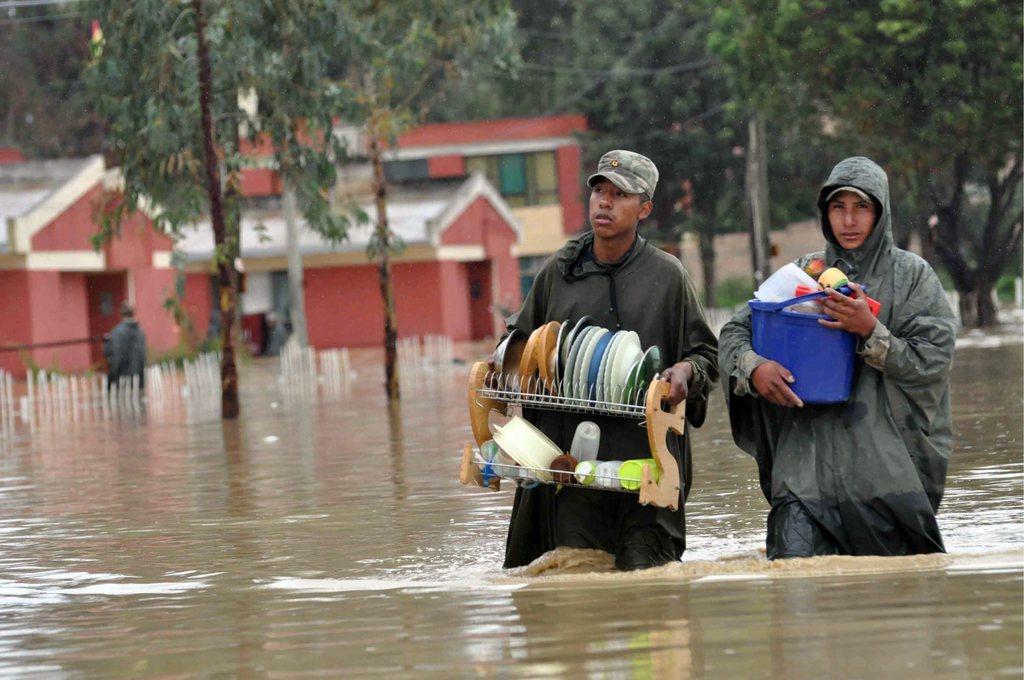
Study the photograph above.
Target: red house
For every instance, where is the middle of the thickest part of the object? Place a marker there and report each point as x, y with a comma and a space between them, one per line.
456, 274
534, 163
479, 205
57, 293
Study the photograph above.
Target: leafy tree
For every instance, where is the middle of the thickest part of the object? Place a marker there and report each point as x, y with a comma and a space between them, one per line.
290, 47
930, 90
42, 108
400, 55
643, 75
166, 79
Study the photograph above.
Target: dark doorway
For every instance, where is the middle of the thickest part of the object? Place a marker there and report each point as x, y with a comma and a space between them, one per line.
106, 293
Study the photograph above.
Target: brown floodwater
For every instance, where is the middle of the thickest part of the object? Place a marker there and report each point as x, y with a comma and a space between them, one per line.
328, 538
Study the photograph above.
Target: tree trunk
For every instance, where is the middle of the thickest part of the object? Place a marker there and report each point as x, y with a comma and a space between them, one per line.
997, 243
757, 196
296, 283
976, 308
383, 237
706, 241
225, 263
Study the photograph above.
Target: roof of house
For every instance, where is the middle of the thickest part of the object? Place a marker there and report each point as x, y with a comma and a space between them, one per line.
28, 185
415, 218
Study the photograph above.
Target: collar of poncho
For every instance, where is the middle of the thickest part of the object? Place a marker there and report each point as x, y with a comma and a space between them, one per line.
575, 260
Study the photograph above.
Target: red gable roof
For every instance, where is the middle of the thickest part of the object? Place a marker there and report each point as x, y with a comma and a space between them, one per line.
502, 130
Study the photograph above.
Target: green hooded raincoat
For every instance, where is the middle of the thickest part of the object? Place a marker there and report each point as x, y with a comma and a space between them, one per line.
865, 477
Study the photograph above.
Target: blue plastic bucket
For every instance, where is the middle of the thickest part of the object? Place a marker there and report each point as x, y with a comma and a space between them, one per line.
821, 359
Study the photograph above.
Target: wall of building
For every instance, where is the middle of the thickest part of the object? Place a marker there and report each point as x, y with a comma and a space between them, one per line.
58, 311
570, 188
129, 258
343, 304
456, 304
16, 328
198, 302
73, 228
42, 307
481, 224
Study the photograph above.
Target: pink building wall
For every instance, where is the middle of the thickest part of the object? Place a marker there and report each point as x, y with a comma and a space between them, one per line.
482, 224
17, 326
39, 307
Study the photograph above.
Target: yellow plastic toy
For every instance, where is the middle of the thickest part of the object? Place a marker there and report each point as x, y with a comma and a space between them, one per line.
832, 278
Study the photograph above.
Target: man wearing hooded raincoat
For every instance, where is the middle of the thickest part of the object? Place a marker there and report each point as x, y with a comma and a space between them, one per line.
125, 349
643, 289
865, 477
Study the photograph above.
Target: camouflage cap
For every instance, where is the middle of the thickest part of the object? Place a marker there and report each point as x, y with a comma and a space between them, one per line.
629, 171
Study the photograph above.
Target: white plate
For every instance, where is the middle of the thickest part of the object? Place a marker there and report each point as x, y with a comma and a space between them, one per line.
575, 356
584, 365
607, 362
629, 353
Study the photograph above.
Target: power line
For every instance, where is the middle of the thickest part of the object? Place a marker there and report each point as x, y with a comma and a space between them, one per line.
621, 70
40, 18
14, 4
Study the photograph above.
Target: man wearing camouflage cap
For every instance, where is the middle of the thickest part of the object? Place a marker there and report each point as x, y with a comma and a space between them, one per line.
620, 281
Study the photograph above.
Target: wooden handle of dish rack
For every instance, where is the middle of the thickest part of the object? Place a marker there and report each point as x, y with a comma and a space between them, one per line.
480, 407
665, 492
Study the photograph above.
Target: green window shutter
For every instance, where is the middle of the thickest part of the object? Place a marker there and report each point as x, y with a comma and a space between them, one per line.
512, 175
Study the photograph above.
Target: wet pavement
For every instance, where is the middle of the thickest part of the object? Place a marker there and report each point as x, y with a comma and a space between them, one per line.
331, 538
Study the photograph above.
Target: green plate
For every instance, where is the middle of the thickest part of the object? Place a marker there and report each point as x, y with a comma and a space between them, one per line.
642, 372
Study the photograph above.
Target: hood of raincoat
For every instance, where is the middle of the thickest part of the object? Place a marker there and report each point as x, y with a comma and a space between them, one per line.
865, 262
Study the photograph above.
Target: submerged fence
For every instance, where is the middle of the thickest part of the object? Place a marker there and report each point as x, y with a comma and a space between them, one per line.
51, 397
426, 353
303, 371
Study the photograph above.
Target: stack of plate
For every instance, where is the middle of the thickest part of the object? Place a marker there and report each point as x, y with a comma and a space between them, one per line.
527, 445
598, 365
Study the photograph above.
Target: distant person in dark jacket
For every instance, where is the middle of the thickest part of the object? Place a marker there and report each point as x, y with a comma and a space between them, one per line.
125, 349
277, 335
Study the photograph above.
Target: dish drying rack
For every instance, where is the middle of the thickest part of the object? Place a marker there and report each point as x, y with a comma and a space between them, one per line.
492, 391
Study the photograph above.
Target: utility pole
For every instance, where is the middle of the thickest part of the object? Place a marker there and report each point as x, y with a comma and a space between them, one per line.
757, 196
296, 281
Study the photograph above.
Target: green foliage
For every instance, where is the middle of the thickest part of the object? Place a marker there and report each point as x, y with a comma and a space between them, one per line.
930, 90
733, 291
43, 111
1005, 287
144, 84
177, 356
399, 55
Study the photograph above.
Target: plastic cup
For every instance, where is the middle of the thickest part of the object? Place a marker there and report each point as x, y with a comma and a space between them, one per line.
607, 473
631, 472
586, 441
585, 471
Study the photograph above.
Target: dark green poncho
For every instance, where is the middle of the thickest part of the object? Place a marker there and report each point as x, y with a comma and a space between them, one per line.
865, 477
648, 292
